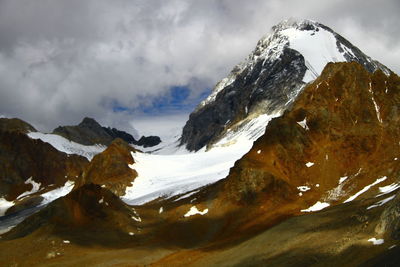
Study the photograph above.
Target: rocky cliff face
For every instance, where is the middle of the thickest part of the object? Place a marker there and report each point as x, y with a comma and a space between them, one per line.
270, 78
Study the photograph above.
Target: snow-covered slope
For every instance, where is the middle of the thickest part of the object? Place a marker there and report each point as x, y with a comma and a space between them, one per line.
270, 78
66, 146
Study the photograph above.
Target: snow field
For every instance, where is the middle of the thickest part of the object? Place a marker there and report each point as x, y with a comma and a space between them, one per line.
66, 146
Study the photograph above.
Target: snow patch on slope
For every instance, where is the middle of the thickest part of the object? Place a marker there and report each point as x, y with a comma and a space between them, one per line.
376, 241
64, 145
388, 189
35, 188
5, 205
382, 202
167, 175
365, 189
193, 211
318, 48
250, 130
317, 206
170, 175
57, 193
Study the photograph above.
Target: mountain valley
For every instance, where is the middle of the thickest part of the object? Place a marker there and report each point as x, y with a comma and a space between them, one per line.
293, 160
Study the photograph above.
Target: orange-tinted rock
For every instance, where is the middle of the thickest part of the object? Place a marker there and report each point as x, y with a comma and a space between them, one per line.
110, 168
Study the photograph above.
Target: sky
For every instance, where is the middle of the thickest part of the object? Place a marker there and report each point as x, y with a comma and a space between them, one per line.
143, 65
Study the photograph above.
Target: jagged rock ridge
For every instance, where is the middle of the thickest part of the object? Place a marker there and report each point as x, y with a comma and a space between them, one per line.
90, 132
270, 78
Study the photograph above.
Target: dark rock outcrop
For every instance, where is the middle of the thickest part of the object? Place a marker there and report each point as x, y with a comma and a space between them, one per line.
148, 141
114, 133
90, 132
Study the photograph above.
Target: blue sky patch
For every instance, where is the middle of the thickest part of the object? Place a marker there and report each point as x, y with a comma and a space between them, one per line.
178, 99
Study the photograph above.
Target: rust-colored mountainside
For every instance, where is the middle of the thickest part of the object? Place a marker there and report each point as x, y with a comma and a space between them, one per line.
110, 168
22, 158
335, 148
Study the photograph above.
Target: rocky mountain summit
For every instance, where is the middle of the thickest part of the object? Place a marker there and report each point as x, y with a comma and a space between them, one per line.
270, 78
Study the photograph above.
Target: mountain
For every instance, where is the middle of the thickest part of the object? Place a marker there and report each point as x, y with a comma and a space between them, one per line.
89, 132
29, 166
269, 79
320, 187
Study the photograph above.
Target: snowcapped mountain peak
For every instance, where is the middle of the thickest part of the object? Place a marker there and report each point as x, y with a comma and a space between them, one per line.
270, 78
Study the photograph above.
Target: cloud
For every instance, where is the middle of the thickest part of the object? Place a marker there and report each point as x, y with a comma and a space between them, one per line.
63, 60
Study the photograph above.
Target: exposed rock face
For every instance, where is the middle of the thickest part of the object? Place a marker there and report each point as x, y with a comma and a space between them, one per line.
270, 78
110, 168
90, 132
22, 158
15, 125
120, 134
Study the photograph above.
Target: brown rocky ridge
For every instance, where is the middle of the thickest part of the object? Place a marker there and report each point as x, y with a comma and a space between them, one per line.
110, 168
15, 125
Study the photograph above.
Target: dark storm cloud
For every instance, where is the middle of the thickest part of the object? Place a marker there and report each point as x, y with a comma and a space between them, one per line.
62, 60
